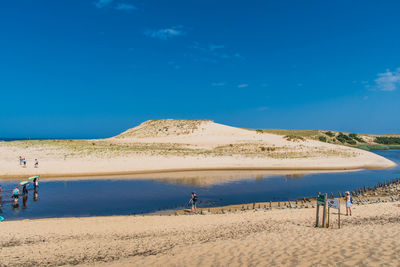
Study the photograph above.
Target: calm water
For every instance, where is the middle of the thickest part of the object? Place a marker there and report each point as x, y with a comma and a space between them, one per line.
118, 197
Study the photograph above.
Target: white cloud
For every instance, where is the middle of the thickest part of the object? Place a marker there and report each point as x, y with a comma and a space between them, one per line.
102, 3
388, 81
219, 84
165, 34
123, 6
242, 85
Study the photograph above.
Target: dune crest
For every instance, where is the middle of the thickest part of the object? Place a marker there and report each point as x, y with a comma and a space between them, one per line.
166, 127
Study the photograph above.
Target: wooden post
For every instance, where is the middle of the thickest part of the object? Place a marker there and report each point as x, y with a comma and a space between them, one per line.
324, 212
339, 214
317, 214
329, 212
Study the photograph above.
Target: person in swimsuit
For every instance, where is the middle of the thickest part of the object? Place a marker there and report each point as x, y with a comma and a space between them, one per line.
36, 163
349, 203
35, 183
193, 200
15, 194
24, 190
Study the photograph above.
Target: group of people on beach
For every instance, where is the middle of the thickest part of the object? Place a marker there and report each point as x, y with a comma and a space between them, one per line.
22, 162
16, 192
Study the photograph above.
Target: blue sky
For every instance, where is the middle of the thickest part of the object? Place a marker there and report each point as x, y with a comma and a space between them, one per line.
80, 69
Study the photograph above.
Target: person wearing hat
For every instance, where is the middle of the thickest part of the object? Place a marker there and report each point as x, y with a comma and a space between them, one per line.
349, 203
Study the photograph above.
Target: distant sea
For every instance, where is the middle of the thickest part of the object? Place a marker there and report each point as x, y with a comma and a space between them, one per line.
21, 139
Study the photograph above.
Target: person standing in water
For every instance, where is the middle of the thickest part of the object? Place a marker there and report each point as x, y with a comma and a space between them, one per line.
24, 190
193, 200
349, 203
35, 182
15, 194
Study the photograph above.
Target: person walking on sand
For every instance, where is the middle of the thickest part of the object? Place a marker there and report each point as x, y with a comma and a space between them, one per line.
193, 200
24, 163
15, 194
20, 160
36, 163
349, 203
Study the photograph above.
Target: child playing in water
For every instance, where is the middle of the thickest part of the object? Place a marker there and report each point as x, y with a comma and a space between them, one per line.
15, 194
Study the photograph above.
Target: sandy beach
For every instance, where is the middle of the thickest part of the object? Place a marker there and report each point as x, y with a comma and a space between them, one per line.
284, 237
180, 145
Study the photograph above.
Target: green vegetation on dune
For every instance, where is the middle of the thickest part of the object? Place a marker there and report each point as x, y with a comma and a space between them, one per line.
330, 134
300, 133
387, 140
362, 141
378, 147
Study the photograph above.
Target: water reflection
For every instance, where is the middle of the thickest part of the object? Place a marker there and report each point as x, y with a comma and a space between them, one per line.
212, 178
25, 201
35, 195
15, 208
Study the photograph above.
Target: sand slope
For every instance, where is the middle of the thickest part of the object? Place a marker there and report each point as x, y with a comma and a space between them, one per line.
261, 238
171, 145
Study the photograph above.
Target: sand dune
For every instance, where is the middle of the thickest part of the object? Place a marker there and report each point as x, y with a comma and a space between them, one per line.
250, 238
180, 145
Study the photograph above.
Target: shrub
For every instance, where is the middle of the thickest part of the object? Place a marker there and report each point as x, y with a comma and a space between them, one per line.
322, 138
353, 135
387, 140
330, 134
294, 138
259, 131
351, 142
341, 139
359, 139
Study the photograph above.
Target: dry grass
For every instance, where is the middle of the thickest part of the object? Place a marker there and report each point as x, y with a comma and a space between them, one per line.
109, 149
157, 128
301, 133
